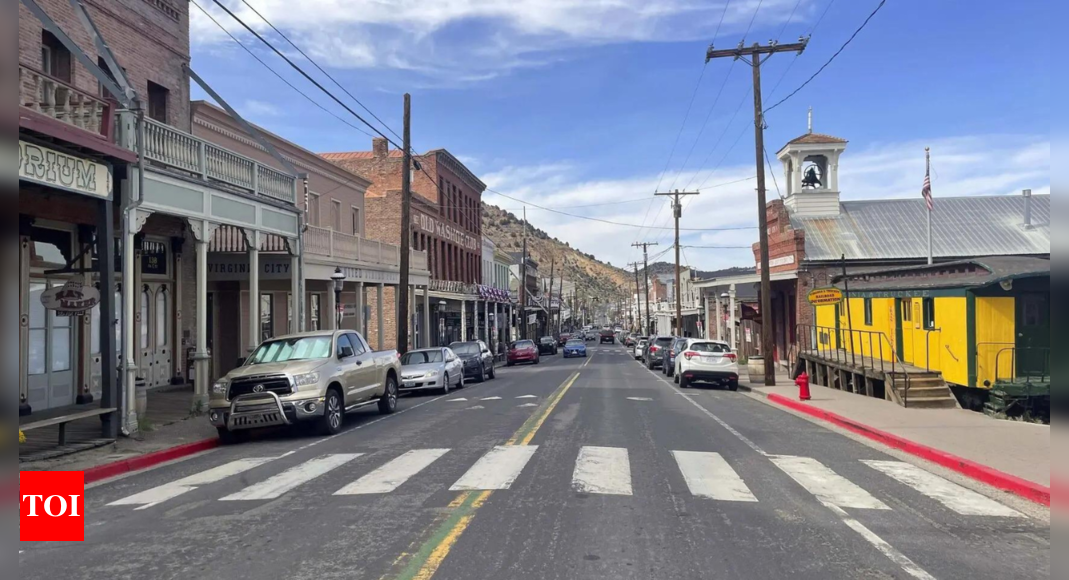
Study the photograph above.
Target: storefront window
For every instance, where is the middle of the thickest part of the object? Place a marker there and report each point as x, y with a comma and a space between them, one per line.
144, 317
38, 330
267, 315
61, 343
50, 248
314, 313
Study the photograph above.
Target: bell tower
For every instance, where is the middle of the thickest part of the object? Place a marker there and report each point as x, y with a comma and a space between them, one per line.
811, 165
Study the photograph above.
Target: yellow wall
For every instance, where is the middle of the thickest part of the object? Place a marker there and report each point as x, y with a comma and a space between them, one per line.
826, 324
996, 329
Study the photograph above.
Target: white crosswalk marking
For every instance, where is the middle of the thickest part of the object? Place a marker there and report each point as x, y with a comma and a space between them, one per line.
828, 486
169, 491
953, 496
290, 479
602, 470
496, 470
709, 476
394, 474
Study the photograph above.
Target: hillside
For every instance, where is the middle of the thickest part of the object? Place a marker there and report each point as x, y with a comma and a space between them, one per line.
669, 269
592, 277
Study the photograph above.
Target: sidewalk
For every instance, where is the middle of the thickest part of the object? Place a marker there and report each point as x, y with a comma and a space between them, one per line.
1021, 450
170, 426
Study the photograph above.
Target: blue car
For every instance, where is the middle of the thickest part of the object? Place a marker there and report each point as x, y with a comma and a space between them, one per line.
575, 348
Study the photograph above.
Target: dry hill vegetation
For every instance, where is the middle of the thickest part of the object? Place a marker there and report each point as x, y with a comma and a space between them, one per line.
592, 276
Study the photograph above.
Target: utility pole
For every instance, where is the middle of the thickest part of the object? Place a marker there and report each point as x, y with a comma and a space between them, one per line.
677, 210
403, 315
637, 322
523, 280
755, 53
560, 304
646, 274
549, 296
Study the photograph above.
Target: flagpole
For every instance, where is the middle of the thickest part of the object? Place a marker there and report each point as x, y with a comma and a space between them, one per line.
928, 169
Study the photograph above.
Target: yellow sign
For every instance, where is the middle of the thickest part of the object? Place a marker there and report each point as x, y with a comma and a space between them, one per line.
825, 296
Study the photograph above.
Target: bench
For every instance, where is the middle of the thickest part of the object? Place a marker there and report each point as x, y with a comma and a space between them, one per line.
63, 420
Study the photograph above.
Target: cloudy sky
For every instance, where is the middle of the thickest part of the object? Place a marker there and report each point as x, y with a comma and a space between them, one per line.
589, 106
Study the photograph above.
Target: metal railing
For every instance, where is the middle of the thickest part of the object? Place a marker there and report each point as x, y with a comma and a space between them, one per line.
54, 98
1028, 356
332, 244
831, 343
167, 146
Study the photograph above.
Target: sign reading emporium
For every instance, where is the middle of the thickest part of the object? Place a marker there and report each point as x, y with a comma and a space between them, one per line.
63, 171
434, 226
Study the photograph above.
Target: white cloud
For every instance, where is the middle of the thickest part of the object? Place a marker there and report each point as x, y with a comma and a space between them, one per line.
260, 109
962, 166
479, 39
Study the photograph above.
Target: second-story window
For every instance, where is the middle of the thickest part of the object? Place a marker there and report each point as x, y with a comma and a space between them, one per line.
335, 211
157, 102
55, 58
313, 210
356, 221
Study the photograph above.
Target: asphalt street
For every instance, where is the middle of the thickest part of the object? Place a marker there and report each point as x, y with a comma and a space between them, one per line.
573, 469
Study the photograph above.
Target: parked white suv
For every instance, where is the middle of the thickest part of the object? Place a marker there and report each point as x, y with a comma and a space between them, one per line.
707, 361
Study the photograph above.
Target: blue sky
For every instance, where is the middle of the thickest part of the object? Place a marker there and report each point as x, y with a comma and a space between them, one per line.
579, 102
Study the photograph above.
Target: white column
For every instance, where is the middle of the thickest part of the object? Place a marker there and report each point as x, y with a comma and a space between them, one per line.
426, 317
463, 320
253, 240
295, 293
361, 298
719, 316
732, 330
381, 321
330, 318
709, 321
128, 293
201, 357
486, 321
411, 322
139, 354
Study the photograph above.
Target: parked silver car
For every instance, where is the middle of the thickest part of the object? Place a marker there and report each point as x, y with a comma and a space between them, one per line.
431, 368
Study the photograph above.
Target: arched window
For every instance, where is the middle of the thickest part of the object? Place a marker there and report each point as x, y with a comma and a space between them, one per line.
145, 297
162, 311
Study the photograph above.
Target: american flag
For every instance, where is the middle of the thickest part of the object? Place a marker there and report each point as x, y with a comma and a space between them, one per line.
926, 189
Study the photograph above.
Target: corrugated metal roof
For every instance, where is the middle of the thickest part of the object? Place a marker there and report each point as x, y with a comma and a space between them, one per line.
896, 229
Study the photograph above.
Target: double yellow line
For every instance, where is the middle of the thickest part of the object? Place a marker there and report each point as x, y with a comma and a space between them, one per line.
423, 561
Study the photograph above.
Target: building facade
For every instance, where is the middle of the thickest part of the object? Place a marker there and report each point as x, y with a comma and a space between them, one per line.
446, 224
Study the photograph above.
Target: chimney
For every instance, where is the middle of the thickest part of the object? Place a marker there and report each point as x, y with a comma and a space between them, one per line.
381, 147
1027, 208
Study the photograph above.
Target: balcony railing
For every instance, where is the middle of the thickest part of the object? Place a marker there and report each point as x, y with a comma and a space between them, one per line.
61, 101
175, 149
345, 247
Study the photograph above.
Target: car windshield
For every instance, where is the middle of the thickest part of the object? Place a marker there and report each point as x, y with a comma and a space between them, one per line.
522, 344
463, 348
709, 347
575, 343
547, 339
292, 349
664, 341
422, 357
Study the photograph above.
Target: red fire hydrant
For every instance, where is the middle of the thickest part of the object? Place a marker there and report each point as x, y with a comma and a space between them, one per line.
803, 387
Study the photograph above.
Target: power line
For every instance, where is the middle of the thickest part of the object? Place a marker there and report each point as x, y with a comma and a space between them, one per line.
825, 65
772, 172
790, 65
305, 74
276, 73
315, 64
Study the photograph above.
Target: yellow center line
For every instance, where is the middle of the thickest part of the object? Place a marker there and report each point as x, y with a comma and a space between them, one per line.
446, 531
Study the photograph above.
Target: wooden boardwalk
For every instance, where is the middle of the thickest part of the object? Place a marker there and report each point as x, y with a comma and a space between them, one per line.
905, 384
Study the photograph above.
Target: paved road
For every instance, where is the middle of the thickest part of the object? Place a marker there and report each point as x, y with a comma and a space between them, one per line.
577, 469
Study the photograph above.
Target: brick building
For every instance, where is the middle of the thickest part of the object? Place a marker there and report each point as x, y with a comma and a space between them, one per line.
446, 224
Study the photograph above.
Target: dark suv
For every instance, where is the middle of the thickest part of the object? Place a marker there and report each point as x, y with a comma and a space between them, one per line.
607, 337
478, 362
655, 351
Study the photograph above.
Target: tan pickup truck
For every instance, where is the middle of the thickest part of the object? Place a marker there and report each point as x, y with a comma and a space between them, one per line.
314, 377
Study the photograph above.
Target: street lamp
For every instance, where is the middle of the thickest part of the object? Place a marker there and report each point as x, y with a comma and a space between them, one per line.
338, 278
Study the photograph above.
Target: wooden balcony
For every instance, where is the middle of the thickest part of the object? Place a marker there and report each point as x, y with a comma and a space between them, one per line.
328, 243
54, 98
177, 150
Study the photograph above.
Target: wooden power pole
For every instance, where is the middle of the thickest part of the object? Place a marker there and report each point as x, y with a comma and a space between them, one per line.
523, 280
403, 315
755, 54
646, 273
636, 323
677, 211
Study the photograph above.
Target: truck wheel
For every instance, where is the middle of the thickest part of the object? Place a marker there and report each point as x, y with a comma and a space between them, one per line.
333, 414
388, 402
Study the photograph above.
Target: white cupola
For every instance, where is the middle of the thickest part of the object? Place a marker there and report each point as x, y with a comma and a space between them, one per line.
811, 165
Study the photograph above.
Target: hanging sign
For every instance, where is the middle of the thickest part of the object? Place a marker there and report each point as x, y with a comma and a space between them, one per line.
53, 168
71, 299
825, 296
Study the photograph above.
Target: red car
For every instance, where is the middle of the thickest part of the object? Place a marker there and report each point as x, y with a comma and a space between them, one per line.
523, 351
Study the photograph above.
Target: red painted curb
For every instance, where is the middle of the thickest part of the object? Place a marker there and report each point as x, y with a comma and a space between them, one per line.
133, 464
993, 477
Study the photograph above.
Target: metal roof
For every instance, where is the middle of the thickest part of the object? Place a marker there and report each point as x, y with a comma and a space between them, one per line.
972, 273
963, 227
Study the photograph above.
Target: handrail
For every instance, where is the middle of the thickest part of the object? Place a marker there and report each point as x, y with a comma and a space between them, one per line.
1045, 370
807, 333
64, 102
